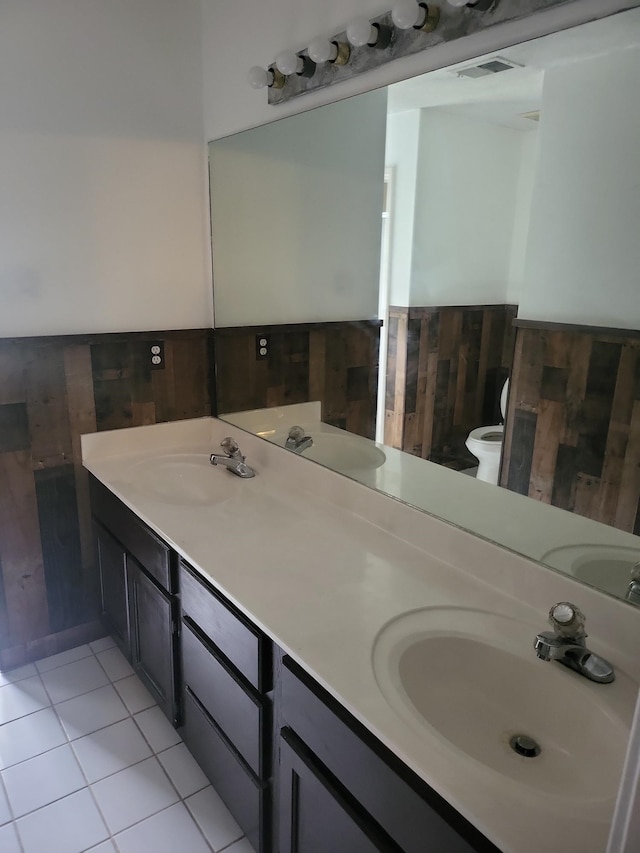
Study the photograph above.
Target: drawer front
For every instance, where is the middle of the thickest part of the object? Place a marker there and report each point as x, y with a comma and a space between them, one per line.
229, 630
148, 549
244, 796
353, 756
240, 715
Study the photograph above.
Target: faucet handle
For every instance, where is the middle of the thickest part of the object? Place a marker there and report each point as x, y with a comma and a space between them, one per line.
567, 619
296, 433
230, 446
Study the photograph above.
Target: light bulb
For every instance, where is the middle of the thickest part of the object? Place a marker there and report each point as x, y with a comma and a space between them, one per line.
289, 63
361, 31
259, 77
407, 13
323, 50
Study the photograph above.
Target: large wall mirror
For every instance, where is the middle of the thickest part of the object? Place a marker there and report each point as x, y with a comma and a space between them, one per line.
383, 265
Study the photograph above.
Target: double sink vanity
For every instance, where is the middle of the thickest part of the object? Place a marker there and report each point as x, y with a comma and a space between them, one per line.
352, 674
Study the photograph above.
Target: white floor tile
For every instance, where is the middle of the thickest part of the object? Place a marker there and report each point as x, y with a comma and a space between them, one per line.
157, 729
71, 825
166, 832
213, 818
29, 736
71, 680
183, 770
114, 663
5, 811
134, 694
41, 780
13, 675
62, 658
134, 794
24, 697
110, 750
9, 839
241, 846
91, 711
102, 644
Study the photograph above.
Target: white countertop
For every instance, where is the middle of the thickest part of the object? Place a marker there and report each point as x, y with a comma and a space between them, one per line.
322, 564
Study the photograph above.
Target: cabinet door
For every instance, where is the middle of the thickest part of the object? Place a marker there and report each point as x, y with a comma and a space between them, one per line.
114, 597
154, 627
315, 815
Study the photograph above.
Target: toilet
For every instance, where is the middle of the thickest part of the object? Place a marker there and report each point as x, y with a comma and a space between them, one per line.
485, 443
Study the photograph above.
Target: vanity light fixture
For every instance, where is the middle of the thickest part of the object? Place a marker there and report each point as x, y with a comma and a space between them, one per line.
479, 5
323, 50
288, 62
361, 32
407, 14
259, 78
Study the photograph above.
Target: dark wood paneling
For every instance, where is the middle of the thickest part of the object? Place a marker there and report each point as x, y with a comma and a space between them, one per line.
573, 427
335, 363
445, 371
53, 390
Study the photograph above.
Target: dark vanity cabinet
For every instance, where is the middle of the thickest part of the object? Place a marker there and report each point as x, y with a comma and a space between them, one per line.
227, 684
339, 789
138, 585
295, 769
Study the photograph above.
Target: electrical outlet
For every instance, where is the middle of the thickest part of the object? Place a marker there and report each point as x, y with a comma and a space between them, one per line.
262, 346
156, 352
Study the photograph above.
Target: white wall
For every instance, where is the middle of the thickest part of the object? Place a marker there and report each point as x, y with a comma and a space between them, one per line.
522, 217
466, 201
401, 155
102, 186
584, 248
297, 216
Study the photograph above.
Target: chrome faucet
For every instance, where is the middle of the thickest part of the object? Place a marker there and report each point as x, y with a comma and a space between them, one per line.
566, 644
297, 440
232, 459
633, 590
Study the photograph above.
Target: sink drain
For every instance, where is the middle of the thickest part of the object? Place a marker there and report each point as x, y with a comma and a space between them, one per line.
524, 745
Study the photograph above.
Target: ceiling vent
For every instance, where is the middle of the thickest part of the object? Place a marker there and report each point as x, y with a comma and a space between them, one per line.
495, 65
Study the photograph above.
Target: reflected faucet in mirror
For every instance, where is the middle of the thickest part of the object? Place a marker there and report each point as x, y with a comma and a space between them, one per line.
297, 440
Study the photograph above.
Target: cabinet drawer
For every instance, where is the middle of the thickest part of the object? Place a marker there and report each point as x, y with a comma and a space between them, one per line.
228, 629
240, 715
148, 549
405, 807
244, 796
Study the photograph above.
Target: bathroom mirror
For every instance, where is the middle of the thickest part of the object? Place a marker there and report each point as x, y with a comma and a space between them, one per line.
441, 206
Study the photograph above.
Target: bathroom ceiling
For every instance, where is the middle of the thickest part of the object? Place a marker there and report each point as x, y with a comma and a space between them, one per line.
502, 98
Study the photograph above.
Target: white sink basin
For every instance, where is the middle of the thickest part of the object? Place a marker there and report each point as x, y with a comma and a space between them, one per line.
472, 678
606, 567
344, 453
185, 479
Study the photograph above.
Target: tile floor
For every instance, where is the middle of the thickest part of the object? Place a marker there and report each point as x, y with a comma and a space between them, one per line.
89, 762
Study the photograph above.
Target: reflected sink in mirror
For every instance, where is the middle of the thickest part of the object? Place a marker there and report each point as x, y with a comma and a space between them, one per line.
472, 678
344, 453
184, 478
605, 568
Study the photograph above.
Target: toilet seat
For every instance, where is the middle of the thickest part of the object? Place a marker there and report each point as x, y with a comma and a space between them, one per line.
489, 436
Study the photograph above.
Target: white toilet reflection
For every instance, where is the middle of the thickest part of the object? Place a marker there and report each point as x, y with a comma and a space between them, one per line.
485, 443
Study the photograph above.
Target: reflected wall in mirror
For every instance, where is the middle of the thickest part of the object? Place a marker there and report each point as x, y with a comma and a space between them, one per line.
441, 208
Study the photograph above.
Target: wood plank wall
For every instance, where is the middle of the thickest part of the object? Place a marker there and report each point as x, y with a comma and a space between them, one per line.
445, 371
51, 391
336, 363
573, 437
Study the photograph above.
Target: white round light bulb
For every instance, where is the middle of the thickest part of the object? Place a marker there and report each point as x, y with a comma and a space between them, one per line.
259, 77
288, 63
322, 50
361, 31
407, 14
